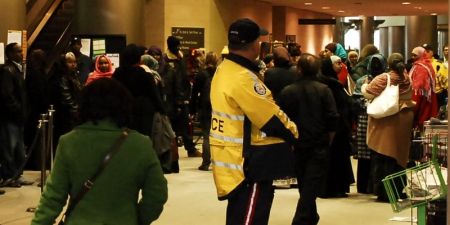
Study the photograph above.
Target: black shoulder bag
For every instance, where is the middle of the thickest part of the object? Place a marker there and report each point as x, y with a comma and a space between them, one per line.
87, 185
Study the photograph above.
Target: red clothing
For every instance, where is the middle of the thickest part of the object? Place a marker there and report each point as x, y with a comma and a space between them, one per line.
97, 74
423, 81
342, 75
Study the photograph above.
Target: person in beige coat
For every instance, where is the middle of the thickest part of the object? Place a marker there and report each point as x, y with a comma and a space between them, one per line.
390, 137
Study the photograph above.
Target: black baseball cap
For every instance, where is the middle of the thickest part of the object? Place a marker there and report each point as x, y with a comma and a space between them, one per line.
428, 47
244, 31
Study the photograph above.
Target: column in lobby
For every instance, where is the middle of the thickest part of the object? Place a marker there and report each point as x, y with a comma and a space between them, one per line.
366, 33
420, 30
396, 40
279, 23
339, 31
384, 41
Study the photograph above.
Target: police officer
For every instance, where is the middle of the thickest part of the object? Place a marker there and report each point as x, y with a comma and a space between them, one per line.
248, 131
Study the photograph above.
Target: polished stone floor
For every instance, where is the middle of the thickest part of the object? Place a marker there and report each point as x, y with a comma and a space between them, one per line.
193, 201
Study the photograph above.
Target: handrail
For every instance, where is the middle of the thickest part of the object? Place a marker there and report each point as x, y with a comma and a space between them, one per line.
44, 21
59, 46
36, 10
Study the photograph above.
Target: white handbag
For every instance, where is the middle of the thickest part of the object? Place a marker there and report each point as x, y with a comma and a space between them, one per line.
386, 103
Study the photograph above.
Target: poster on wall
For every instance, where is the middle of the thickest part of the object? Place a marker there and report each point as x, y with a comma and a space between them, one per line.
86, 46
190, 37
2, 53
98, 47
14, 36
114, 57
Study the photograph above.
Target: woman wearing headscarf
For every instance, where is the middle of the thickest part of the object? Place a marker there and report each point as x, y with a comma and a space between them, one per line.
390, 137
340, 174
103, 68
337, 50
157, 53
376, 65
361, 68
423, 80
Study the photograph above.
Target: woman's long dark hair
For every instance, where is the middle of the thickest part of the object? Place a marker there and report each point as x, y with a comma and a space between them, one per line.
106, 98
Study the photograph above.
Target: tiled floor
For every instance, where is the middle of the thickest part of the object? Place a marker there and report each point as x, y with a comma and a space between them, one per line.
193, 201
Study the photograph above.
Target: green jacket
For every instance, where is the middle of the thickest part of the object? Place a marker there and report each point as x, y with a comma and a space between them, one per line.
114, 197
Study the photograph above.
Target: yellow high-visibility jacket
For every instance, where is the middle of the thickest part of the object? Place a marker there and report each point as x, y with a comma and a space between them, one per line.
238, 95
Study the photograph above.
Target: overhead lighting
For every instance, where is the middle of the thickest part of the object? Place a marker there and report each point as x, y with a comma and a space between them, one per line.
341, 11
417, 7
433, 14
406, 3
308, 3
326, 7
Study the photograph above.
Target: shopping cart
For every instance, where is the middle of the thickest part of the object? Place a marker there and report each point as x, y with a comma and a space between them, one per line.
417, 186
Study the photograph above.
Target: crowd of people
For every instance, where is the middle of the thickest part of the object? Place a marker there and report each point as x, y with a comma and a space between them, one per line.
263, 117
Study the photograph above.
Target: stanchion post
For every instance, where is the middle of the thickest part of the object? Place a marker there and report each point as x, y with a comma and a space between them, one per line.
51, 111
43, 123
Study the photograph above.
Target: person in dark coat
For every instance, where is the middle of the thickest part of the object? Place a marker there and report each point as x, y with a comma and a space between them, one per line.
37, 92
281, 74
340, 174
178, 92
65, 89
146, 98
310, 104
200, 99
13, 112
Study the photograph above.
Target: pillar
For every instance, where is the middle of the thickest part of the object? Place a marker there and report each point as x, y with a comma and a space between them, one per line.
384, 41
420, 30
339, 31
279, 23
111, 17
13, 18
366, 34
396, 40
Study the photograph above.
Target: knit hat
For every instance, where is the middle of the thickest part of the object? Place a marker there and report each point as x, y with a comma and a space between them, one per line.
334, 58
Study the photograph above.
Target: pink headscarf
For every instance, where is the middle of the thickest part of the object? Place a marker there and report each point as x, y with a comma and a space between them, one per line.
97, 74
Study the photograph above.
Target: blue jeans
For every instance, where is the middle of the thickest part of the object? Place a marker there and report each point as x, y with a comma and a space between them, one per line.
12, 150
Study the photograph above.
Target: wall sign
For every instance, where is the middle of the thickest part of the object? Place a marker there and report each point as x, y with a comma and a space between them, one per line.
190, 37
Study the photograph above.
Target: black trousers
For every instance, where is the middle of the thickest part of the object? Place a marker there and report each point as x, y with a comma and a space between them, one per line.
180, 124
311, 169
12, 150
250, 204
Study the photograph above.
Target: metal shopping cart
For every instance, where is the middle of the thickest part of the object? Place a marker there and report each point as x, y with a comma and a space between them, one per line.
417, 186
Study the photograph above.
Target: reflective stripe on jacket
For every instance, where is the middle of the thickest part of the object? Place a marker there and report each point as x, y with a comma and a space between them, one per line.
236, 94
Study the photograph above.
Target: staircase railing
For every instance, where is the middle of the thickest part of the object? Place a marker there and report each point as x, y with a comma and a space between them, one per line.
35, 32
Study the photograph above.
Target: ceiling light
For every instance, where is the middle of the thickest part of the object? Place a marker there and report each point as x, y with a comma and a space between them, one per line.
326, 7
433, 14
406, 3
418, 7
341, 11
308, 3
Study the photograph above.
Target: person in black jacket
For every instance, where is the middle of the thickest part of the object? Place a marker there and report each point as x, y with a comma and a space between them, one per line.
142, 87
282, 74
340, 174
37, 94
200, 99
178, 93
12, 116
310, 104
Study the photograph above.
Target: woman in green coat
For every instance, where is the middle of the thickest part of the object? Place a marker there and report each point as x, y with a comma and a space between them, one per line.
114, 197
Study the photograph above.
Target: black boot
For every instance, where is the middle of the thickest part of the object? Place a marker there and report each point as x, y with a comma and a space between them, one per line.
175, 168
